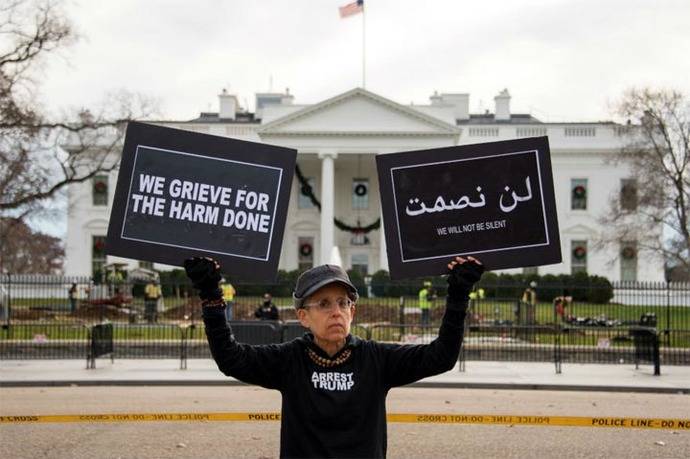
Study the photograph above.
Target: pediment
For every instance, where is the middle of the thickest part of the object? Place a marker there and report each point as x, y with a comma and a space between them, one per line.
304, 225
578, 229
95, 224
358, 112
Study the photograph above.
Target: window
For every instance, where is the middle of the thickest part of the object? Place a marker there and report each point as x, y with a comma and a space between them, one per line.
580, 132
360, 263
360, 193
146, 265
530, 270
100, 190
629, 194
303, 201
305, 253
629, 261
531, 131
578, 194
98, 257
359, 238
578, 257
484, 132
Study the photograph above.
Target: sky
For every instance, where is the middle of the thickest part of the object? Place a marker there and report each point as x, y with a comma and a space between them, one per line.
561, 60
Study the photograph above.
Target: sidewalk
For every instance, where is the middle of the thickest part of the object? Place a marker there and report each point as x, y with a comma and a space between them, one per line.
486, 375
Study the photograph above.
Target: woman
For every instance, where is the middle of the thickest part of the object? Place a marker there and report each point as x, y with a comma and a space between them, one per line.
334, 385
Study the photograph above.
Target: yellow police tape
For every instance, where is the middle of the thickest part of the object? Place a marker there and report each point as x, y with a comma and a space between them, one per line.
424, 418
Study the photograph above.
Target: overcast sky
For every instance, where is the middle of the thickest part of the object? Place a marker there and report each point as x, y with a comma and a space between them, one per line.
561, 60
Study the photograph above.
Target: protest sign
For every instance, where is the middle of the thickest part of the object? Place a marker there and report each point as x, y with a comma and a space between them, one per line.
182, 194
494, 201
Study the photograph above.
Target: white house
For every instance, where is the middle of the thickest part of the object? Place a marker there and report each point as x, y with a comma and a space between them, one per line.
337, 140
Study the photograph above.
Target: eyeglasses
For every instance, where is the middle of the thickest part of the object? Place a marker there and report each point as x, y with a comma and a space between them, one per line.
325, 305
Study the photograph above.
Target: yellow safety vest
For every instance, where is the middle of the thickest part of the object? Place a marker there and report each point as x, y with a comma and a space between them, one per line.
424, 302
228, 292
152, 291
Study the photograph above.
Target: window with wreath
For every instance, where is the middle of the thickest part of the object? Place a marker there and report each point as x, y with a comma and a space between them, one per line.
628, 194
578, 194
360, 193
100, 190
303, 200
98, 257
628, 259
305, 253
578, 257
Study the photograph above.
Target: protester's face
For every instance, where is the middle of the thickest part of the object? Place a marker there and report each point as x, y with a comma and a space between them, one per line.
328, 313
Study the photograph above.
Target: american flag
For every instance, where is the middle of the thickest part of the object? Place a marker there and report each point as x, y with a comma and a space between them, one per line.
351, 8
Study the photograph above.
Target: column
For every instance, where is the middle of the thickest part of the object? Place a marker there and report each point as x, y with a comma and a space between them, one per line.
327, 158
383, 255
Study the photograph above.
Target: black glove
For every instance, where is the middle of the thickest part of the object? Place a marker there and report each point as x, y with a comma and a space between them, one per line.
205, 275
462, 278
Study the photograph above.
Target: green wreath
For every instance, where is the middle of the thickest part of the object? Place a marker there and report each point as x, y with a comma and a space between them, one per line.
579, 192
305, 250
628, 253
579, 252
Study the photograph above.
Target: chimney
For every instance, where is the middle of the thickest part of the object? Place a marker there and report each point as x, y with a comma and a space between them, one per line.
502, 106
287, 98
228, 105
459, 102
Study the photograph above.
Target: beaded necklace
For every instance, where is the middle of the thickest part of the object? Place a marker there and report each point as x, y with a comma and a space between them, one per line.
324, 362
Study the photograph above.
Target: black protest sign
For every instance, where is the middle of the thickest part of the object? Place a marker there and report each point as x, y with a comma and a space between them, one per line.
494, 201
182, 194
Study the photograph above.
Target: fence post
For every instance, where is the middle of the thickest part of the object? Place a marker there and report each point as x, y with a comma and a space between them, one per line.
557, 347
668, 314
9, 300
183, 347
401, 316
90, 361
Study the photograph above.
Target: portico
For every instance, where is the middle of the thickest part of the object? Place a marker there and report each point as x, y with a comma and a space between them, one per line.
337, 141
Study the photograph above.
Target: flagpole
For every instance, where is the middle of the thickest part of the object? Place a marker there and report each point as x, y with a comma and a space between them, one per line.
364, 58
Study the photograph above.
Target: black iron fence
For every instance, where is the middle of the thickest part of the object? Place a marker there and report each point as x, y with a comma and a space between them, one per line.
42, 319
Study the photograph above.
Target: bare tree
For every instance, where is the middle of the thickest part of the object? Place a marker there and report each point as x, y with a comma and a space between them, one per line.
653, 207
25, 251
34, 167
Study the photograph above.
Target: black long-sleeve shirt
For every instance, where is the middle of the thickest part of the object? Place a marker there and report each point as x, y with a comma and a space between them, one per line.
337, 411
267, 311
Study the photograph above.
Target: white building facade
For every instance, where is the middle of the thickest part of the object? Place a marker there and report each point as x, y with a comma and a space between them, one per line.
337, 141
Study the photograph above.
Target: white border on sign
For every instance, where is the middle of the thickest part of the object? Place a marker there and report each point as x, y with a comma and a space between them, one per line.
275, 206
541, 193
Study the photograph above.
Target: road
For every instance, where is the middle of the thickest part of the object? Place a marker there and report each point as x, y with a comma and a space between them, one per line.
260, 439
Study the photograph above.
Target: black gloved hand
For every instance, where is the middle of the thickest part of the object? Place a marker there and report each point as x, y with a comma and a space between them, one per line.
205, 275
464, 273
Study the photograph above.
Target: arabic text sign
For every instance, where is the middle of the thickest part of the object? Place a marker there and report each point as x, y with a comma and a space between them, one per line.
182, 194
494, 201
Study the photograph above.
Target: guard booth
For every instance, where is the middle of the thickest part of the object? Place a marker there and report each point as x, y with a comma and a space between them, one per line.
645, 337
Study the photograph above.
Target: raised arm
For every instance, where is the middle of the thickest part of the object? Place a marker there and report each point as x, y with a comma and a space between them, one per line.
405, 364
261, 365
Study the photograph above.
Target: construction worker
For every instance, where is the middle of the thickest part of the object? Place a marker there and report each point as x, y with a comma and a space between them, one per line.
529, 299
229, 298
152, 293
426, 297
